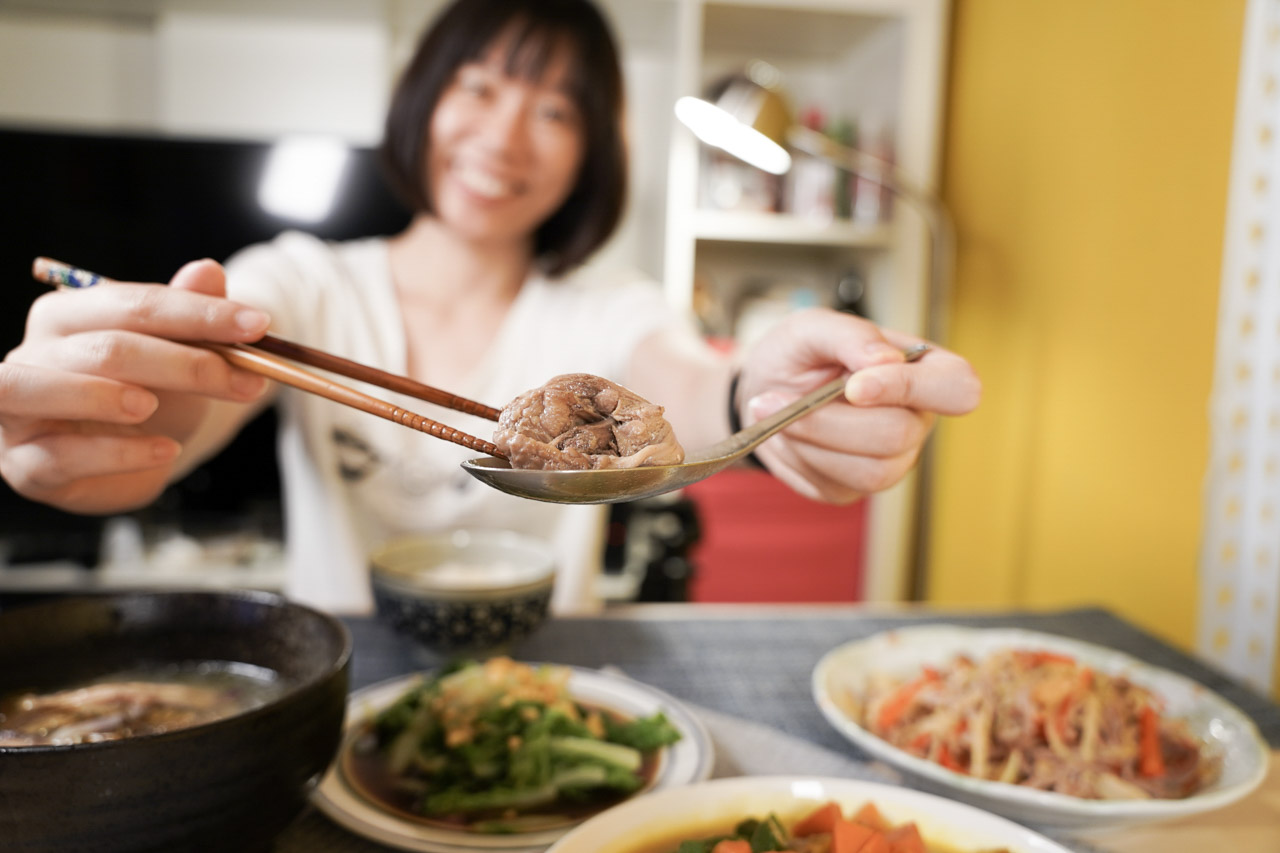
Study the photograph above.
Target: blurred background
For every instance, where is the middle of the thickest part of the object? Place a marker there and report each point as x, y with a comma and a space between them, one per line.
1084, 150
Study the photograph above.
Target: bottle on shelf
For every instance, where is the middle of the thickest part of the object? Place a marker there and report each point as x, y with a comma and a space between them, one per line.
811, 183
872, 200
841, 132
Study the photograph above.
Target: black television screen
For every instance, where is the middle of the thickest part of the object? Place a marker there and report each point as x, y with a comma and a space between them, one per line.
137, 208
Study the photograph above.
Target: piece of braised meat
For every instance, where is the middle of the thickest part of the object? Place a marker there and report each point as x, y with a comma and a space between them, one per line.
579, 421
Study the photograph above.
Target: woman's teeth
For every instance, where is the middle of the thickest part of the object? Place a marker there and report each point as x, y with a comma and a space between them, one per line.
483, 183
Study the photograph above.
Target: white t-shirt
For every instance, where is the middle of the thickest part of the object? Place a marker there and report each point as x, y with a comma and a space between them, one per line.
352, 480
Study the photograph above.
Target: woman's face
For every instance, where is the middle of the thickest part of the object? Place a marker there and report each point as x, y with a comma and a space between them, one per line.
505, 151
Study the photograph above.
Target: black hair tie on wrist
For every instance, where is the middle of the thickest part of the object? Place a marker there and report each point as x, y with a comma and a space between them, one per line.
735, 420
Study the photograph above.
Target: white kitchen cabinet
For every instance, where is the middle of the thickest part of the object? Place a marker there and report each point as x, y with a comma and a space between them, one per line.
879, 64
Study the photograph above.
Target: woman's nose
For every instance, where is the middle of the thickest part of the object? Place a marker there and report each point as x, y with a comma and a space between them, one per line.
506, 124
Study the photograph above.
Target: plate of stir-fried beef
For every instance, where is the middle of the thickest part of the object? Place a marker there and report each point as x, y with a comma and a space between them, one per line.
1041, 728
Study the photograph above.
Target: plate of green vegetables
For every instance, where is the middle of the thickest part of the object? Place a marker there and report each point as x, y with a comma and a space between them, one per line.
503, 755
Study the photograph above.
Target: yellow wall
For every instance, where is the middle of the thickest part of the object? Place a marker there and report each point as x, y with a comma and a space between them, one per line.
1087, 156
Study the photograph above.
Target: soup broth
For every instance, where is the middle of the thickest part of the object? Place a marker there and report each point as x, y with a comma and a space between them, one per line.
135, 703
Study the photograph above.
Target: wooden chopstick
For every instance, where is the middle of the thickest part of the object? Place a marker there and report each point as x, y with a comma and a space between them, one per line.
261, 361
250, 358
353, 369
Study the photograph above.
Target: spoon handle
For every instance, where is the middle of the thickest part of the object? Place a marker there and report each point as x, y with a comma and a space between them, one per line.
745, 440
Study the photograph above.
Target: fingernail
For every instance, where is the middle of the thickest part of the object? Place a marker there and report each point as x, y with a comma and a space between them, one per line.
247, 384
252, 320
165, 449
138, 403
863, 390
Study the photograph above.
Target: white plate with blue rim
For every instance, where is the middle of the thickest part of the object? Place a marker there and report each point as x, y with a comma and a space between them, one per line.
1227, 734
340, 798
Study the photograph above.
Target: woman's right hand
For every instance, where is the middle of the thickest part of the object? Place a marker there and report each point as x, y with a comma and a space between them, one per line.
97, 401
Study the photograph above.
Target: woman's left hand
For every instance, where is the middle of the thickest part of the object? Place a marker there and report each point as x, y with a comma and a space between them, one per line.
869, 440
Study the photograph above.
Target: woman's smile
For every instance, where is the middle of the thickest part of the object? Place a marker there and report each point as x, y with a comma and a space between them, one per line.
484, 182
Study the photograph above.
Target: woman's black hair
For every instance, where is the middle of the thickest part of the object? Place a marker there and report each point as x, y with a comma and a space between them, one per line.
537, 29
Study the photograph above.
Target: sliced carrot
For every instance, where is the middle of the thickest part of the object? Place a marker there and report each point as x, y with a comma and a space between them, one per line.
849, 837
870, 816
905, 839
877, 843
1151, 762
735, 845
821, 819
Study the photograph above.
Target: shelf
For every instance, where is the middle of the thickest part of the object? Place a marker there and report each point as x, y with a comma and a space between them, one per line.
806, 32
782, 229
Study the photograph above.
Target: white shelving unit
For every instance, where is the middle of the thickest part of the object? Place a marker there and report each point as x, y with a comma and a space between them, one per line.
869, 61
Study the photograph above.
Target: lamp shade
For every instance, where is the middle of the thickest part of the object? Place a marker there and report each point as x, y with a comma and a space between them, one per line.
744, 118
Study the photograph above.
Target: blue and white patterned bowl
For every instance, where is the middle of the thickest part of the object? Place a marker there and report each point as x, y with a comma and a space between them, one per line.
465, 591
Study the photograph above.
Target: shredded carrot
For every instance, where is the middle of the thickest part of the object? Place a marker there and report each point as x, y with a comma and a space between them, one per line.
1152, 761
1042, 658
947, 760
1060, 716
896, 704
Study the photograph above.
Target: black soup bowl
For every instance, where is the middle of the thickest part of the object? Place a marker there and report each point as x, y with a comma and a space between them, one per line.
231, 784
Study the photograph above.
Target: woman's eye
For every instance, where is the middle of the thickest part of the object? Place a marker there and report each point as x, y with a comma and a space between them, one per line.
473, 82
557, 112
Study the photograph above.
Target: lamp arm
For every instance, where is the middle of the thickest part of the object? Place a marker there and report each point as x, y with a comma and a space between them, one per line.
929, 207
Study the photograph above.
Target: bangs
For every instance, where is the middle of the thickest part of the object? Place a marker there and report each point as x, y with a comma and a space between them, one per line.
532, 46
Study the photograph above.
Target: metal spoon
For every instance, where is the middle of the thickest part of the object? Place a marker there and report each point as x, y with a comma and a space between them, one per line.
616, 485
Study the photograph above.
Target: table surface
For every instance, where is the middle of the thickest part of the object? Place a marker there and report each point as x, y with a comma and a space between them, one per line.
755, 662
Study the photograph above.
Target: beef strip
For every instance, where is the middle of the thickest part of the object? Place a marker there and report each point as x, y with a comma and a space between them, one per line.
110, 711
579, 422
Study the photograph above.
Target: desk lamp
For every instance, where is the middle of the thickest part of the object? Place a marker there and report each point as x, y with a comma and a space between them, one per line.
746, 116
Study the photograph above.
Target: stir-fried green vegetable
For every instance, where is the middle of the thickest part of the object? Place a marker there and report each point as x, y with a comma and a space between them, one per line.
499, 739
759, 836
